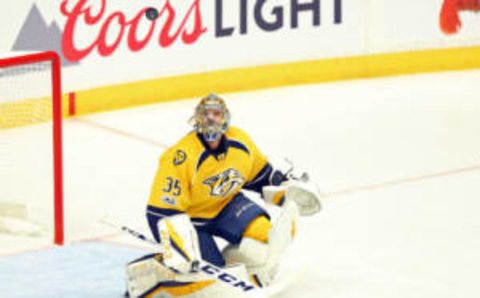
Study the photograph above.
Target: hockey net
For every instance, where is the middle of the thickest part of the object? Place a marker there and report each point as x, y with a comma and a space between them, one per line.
31, 194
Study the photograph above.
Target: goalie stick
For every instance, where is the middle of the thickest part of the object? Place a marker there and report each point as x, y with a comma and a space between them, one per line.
201, 266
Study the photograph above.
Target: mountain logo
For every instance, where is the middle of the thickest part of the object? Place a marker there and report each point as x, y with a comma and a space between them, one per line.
37, 35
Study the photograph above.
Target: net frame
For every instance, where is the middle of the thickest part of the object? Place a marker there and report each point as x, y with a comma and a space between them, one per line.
55, 62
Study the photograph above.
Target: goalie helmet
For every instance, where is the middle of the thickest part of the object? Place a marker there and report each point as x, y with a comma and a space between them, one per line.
211, 118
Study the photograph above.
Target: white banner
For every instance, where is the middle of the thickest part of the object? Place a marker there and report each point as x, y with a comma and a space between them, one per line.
106, 42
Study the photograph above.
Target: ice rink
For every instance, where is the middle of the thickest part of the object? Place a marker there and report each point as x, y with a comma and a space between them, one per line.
397, 160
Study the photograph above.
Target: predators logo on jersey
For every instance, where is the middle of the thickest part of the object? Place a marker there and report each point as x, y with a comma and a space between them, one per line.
225, 183
179, 158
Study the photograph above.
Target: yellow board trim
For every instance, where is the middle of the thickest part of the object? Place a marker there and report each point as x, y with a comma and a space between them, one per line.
269, 76
275, 75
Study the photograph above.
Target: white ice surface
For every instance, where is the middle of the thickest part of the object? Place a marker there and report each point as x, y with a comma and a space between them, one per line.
398, 160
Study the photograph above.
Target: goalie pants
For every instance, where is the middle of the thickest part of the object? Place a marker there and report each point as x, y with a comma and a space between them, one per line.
229, 224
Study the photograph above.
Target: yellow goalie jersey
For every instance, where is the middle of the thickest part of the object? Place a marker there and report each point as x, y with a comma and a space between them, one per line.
200, 182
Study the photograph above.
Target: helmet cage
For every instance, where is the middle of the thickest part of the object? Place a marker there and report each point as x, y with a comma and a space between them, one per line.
210, 130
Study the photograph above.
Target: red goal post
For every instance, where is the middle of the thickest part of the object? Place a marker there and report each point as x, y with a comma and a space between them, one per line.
9, 67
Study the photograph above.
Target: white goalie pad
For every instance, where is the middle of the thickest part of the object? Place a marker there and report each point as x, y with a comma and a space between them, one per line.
258, 258
150, 275
261, 259
143, 275
283, 228
179, 243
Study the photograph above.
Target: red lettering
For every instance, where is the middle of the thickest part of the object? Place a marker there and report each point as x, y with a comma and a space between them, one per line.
103, 48
70, 51
135, 44
166, 38
81, 14
198, 28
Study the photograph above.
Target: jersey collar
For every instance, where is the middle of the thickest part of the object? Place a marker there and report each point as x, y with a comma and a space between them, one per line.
222, 147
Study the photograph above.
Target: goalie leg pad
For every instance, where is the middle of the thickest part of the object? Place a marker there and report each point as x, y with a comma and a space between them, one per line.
261, 259
255, 255
283, 228
148, 277
179, 242
143, 274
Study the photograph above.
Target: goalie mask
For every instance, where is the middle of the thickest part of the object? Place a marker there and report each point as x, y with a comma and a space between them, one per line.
211, 118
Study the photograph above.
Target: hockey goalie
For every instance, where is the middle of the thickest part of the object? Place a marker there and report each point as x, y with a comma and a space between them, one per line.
200, 193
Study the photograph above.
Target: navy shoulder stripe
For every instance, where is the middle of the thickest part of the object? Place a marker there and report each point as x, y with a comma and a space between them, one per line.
202, 158
238, 145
